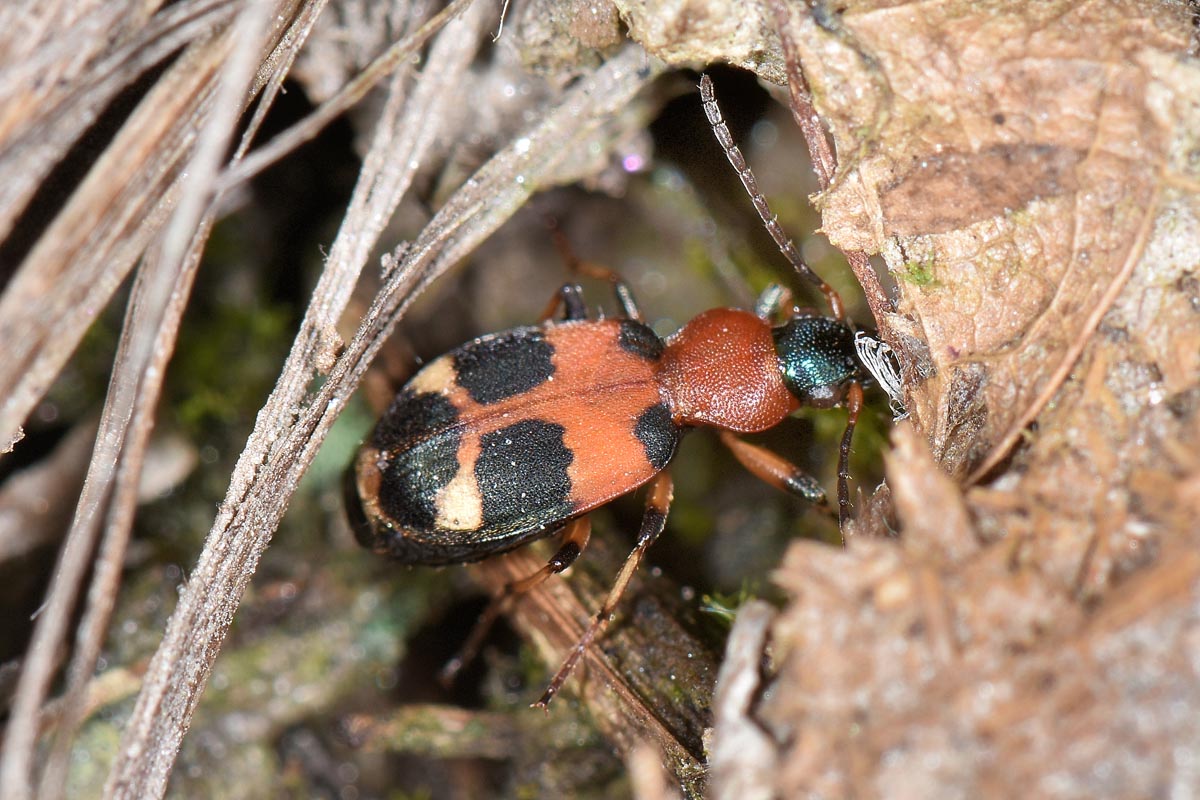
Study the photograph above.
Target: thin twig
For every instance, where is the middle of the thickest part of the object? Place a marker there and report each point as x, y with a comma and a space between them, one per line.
345, 99
155, 312
125, 394
646, 681
40, 117
98, 235
148, 765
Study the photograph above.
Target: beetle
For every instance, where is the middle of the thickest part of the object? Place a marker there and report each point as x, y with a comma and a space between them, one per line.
518, 435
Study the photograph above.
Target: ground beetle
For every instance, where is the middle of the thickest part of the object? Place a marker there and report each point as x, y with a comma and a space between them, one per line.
518, 435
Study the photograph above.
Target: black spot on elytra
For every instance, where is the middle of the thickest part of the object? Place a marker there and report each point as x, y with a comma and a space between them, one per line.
419, 440
505, 365
412, 417
412, 479
658, 434
640, 340
522, 475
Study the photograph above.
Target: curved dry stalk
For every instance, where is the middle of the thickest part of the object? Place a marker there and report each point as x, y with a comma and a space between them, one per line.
93, 242
156, 310
346, 98
110, 490
119, 517
51, 95
447, 62
146, 346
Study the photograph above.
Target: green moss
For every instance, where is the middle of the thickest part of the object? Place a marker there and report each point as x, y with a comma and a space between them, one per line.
225, 366
723, 606
918, 273
92, 754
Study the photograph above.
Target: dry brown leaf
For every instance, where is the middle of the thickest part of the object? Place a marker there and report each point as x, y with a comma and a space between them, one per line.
695, 33
1005, 161
1029, 174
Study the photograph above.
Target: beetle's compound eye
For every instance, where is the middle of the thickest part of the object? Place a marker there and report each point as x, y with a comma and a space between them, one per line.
817, 358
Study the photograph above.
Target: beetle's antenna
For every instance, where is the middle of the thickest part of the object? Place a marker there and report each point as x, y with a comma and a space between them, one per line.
770, 221
854, 393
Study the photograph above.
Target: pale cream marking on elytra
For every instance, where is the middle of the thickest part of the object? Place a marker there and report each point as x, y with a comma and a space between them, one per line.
459, 503
436, 376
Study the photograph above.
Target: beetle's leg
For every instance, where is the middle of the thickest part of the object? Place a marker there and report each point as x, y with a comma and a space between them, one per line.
776, 470
575, 538
738, 161
620, 288
570, 297
854, 401
658, 503
773, 303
